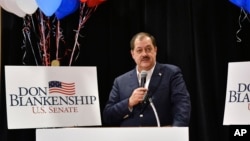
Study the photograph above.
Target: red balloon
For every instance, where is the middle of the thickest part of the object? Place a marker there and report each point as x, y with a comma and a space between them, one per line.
82, 1
93, 3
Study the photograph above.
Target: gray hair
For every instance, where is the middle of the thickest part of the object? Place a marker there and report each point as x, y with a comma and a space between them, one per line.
141, 35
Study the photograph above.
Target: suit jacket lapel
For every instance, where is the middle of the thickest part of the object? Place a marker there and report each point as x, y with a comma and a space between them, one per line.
133, 80
155, 79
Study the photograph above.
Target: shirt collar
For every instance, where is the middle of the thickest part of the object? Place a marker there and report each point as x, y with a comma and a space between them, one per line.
149, 72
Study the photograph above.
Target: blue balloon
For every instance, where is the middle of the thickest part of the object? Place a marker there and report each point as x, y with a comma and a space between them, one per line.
66, 8
48, 7
239, 3
246, 6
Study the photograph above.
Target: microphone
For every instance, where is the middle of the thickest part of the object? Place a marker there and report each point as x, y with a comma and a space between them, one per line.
143, 78
142, 84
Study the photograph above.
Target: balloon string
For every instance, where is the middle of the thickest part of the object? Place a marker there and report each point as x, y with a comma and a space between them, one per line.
82, 20
58, 36
24, 44
240, 20
26, 34
43, 43
34, 30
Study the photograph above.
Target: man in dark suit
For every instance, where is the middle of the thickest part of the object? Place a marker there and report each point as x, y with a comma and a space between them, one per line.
163, 100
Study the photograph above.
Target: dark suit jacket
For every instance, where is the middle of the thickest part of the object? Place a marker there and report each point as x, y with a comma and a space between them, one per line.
168, 92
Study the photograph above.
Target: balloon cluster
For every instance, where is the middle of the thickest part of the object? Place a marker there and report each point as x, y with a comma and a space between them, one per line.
48, 15
244, 4
61, 8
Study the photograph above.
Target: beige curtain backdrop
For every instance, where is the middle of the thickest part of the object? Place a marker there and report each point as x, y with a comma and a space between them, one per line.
0, 49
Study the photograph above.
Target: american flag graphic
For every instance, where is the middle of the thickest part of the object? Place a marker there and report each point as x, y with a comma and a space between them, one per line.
61, 87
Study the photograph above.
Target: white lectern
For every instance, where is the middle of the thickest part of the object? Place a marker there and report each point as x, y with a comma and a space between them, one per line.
114, 134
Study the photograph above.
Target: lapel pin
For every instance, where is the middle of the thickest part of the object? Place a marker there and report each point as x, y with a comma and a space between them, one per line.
159, 74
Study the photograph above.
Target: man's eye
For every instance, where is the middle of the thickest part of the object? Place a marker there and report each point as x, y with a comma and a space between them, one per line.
148, 49
138, 51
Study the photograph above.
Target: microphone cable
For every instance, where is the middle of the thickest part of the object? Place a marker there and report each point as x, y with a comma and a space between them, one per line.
155, 112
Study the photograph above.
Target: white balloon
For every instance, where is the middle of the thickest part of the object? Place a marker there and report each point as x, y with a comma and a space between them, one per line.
28, 6
2, 5
13, 8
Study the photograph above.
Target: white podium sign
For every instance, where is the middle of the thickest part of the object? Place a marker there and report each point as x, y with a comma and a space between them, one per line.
114, 134
237, 103
44, 96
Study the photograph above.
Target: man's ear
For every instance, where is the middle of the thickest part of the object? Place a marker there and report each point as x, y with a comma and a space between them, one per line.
132, 53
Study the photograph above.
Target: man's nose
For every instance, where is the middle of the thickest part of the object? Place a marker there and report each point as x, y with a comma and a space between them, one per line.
144, 52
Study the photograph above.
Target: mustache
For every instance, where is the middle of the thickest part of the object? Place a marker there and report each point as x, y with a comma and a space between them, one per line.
145, 57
